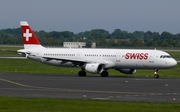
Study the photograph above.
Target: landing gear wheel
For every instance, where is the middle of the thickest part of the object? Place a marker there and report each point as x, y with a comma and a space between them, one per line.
104, 74
156, 76
82, 73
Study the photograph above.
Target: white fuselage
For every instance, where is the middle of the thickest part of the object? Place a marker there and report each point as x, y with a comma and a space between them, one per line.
111, 58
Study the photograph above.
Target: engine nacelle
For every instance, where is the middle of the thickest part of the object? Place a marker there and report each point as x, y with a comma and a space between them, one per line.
127, 71
94, 67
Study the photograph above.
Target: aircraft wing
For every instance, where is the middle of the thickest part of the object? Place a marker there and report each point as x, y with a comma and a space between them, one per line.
107, 64
66, 59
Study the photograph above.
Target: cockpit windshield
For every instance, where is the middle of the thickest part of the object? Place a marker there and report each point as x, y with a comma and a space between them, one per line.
165, 56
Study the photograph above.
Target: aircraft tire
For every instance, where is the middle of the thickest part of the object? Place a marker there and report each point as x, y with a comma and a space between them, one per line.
82, 73
104, 74
156, 76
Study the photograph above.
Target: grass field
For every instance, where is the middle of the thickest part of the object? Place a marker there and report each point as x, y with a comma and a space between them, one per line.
9, 50
16, 104
12, 104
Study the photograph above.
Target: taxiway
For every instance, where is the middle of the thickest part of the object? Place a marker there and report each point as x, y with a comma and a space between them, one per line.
103, 88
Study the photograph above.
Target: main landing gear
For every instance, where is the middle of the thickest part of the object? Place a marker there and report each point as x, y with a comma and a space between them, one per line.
156, 76
104, 74
82, 73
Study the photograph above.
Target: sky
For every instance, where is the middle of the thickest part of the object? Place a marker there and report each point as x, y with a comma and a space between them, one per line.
84, 15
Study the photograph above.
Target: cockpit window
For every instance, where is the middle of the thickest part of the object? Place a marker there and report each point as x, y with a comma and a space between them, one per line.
165, 56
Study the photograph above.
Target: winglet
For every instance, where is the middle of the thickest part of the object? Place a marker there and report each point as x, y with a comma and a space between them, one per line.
28, 36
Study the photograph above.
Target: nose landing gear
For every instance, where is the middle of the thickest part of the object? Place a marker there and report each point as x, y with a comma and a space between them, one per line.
156, 76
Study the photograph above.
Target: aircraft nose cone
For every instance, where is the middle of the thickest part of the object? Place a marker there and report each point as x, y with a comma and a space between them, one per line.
173, 63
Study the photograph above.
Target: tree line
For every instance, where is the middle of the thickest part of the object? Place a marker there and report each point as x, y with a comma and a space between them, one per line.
118, 38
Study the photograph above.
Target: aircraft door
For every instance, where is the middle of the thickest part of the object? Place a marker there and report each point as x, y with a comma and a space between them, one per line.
78, 55
118, 57
151, 58
38, 55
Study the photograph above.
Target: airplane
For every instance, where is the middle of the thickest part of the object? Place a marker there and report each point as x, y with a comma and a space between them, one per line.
91, 60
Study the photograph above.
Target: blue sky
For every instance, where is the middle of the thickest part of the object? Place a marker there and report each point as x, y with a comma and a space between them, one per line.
85, 15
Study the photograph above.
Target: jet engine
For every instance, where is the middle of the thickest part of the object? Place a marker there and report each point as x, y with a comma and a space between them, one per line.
127, 71
94, 67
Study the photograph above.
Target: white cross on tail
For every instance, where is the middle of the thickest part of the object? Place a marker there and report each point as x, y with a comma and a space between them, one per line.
27, 35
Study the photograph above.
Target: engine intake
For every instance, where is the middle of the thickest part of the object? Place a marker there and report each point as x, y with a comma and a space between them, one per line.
94, 67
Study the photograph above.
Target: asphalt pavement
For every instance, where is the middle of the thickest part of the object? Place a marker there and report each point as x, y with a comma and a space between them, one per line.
91, 87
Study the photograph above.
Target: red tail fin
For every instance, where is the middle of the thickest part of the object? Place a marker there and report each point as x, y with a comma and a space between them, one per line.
28, 36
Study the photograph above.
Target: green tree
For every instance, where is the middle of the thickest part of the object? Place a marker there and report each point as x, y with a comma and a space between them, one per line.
166, 35
138, 43
164, 44
99, 33
119, 34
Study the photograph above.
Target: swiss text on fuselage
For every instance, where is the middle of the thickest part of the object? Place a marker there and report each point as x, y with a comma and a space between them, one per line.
139, 56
